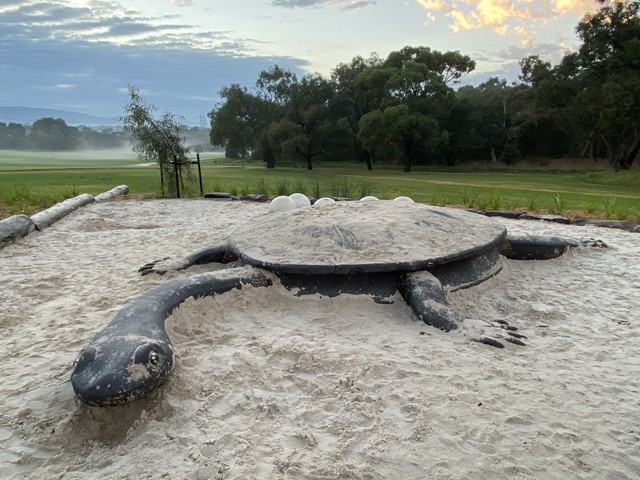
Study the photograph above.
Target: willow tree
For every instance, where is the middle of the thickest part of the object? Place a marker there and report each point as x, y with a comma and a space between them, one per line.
157, 140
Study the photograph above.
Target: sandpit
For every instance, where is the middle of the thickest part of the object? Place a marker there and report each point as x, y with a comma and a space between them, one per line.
274, 386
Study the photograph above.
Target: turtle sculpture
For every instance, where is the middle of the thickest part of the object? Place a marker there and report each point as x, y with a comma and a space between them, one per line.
372, 248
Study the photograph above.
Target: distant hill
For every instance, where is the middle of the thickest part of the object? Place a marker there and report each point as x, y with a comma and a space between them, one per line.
29, 115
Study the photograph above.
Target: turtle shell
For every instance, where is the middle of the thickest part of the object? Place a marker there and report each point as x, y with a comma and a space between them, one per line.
353, 237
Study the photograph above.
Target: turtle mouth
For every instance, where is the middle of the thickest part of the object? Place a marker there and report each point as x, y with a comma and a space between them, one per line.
112, 389
104, 392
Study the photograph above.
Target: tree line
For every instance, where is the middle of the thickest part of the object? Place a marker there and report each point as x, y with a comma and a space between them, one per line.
406, 107
53, 134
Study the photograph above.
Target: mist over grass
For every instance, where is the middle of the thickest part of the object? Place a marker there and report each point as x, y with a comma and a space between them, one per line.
29, 160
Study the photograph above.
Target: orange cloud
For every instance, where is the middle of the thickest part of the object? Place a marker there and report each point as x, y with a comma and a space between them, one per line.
437, 5
503, 15
579, 7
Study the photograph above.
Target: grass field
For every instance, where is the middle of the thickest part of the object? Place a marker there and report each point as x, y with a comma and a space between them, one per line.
30, 181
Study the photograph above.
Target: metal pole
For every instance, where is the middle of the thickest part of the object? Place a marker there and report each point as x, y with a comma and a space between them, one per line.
161, 180
200, 174
175, 169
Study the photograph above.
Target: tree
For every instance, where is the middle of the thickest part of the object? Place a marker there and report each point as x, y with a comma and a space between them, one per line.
275, 85
237, 124
353, 99
53, 134
317, 132
411, 132
536, 99
241, 124
414, 89
157, 140
493, 100
534, 70
12, 136
604, 79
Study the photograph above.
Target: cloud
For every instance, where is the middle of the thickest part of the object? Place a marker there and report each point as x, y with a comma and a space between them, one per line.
297, 3
60, 75
56, 54
106, 21
503, 16
343, 4
355, 5
505, 63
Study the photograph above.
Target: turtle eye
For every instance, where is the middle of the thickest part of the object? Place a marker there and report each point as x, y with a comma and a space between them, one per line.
148, 354
154, 358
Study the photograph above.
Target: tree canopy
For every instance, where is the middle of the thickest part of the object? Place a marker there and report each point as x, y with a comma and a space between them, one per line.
409, 108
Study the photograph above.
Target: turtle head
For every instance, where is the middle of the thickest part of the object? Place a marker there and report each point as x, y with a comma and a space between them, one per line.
118, 370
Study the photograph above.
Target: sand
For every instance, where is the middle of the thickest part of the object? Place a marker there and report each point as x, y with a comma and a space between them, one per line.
271, 386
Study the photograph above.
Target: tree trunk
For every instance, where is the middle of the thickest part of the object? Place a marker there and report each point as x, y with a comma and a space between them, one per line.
367, 159
629, 158
408, 156
621, 155
586, 149
268, 156
450, 158
308, 156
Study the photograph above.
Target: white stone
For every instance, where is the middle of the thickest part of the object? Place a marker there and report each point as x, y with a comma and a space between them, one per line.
301, 200
324, 201
281, 204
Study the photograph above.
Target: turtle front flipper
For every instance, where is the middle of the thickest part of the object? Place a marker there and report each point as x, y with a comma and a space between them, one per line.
133, 355
424, 293
217, 254
493, 332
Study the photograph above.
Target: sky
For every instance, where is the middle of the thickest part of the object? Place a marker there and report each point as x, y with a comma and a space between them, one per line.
81, 55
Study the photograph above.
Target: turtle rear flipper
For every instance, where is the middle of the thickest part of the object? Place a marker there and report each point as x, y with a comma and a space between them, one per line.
217, 254
533, 247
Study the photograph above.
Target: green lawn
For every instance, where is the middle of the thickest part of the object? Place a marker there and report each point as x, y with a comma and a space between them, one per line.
32, 180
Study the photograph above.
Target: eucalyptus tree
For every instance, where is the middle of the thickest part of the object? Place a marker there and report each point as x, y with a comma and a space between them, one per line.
502, 113
12, 136
53, 134
538, 127
244, 122
354, 98
238, 124
596, 90
415, 85
276, 84
314, 129
411, 132
274, 88
609, 69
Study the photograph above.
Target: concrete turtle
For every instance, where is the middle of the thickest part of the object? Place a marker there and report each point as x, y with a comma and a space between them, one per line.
372, 248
